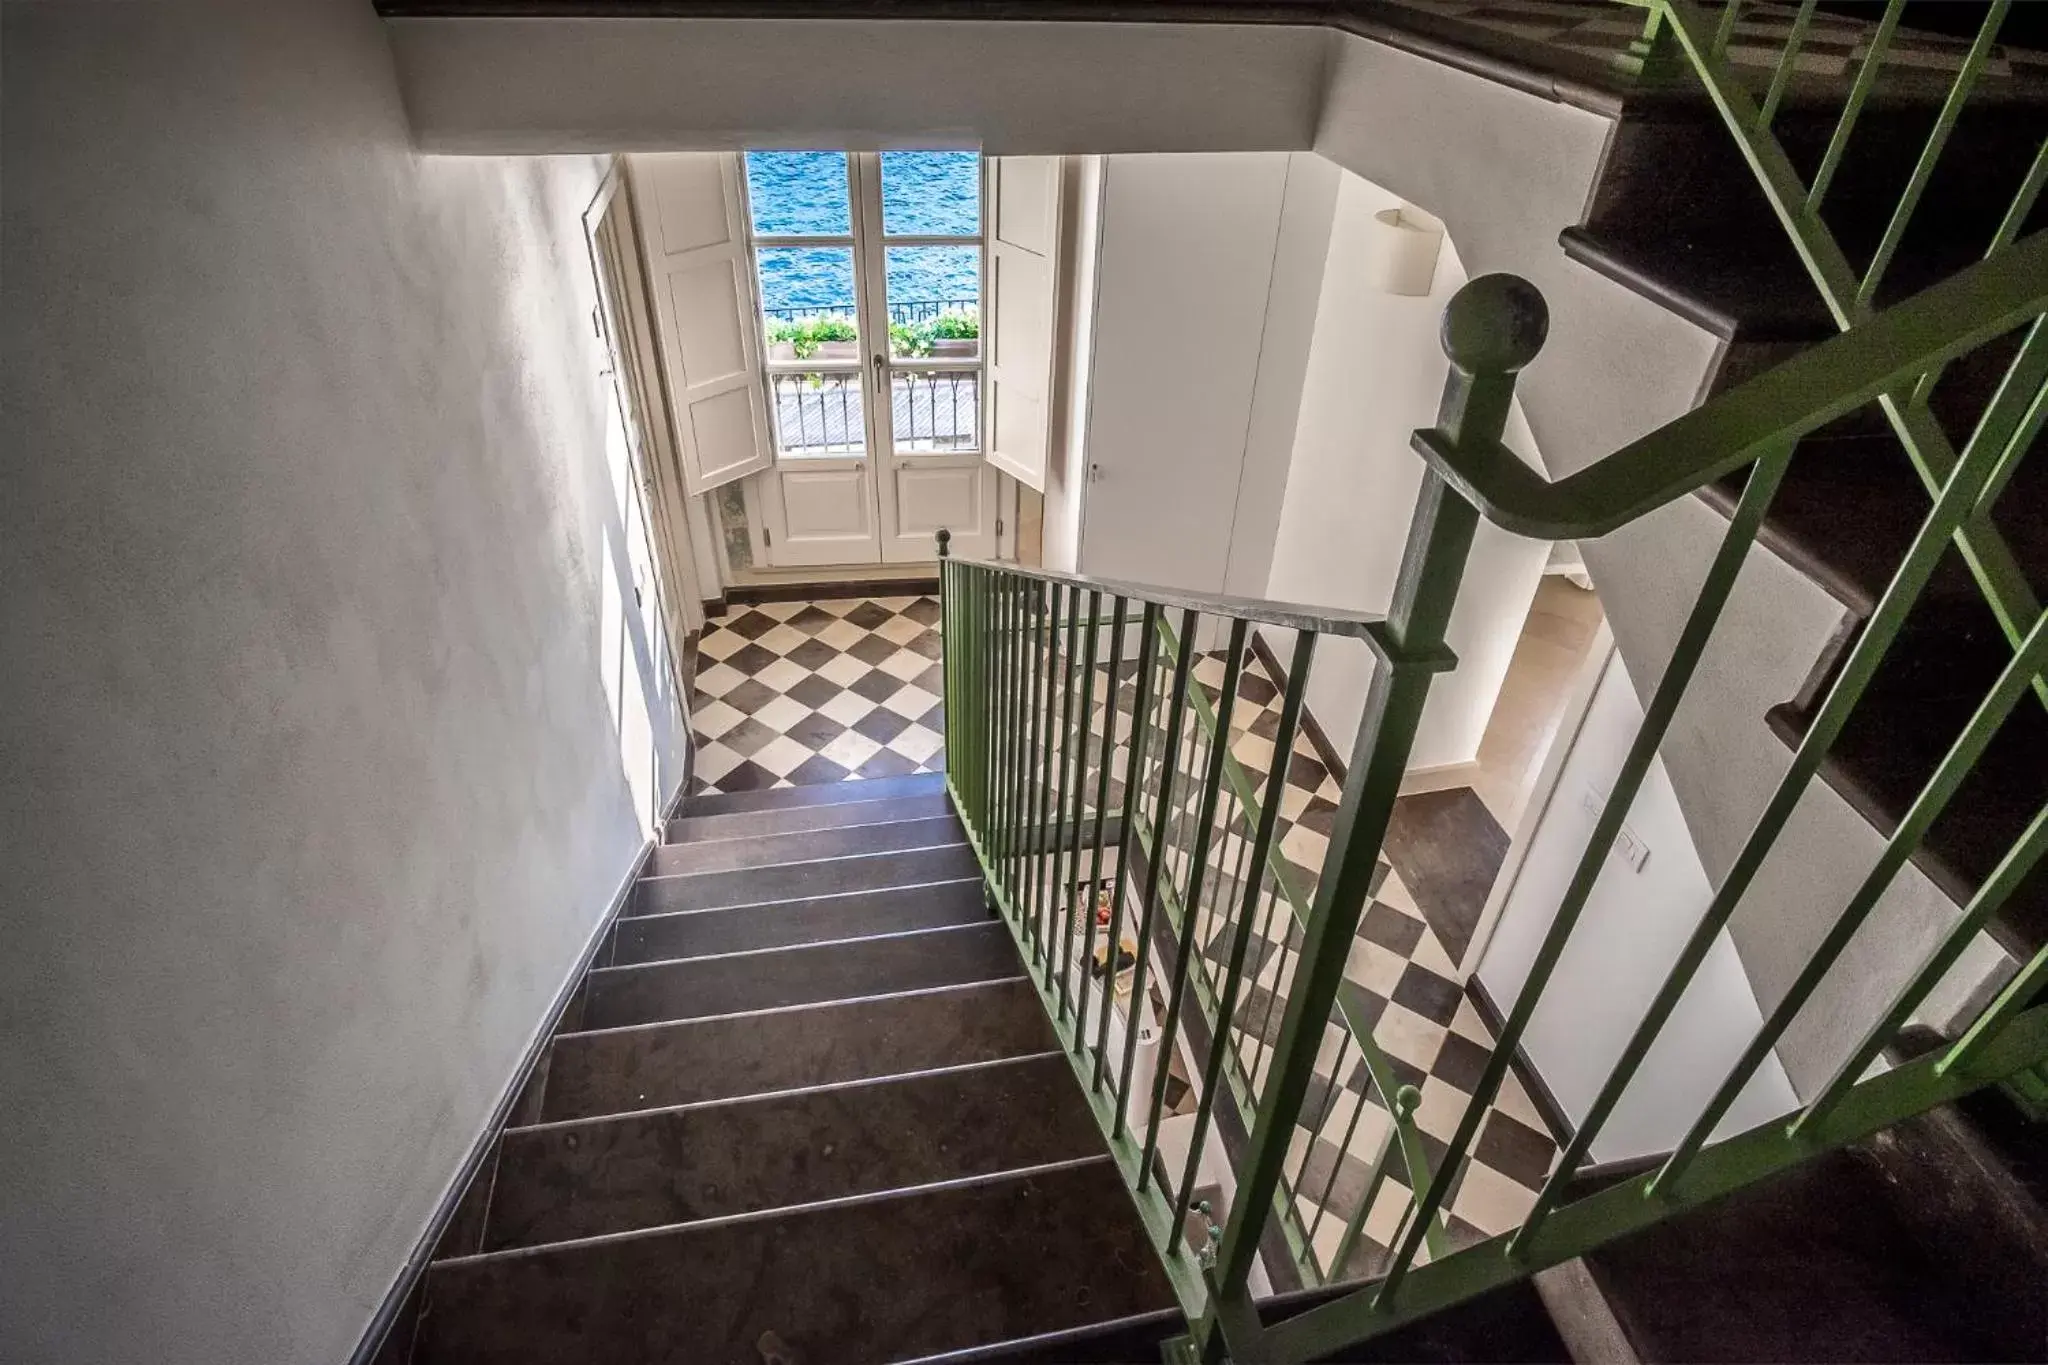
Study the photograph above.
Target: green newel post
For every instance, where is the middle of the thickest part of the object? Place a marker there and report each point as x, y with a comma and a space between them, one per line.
1492, 328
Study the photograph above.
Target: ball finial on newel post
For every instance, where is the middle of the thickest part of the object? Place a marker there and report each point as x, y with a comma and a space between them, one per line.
1495, 324
945, 538
1492, 327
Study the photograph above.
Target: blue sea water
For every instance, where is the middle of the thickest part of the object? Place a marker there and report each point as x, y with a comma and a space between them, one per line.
798, 193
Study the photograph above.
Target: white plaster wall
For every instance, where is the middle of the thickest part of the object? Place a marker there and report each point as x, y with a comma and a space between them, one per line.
1725, 765
1017, 87
1506, 171
318, 602
1375, 373
1631, 931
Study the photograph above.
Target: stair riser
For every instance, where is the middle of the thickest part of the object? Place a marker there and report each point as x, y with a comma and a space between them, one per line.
796, 819
727, 855
609, 1073
817, 794
654, 1170
657, 938
882, 1280
798, 976
799, 881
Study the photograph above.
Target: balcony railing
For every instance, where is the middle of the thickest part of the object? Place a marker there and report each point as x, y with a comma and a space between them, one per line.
822, 413
909, 310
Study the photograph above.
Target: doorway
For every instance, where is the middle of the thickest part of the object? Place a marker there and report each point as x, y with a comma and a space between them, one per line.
869, 271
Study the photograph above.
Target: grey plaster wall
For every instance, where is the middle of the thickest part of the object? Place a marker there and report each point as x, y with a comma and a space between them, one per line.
309, 551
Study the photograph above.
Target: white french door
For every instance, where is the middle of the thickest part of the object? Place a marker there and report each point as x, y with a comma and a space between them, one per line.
869, 271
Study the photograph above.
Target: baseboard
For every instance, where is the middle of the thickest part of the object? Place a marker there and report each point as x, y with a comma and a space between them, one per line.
1547, 1107
745, 594
689, 672
714, 606
1311, 729
1442, 777
391, 1311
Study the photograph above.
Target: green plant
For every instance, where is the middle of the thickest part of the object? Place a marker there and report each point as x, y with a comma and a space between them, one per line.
806, 335
956, 324
915, 339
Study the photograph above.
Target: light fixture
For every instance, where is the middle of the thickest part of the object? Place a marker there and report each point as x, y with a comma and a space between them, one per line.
1403, 245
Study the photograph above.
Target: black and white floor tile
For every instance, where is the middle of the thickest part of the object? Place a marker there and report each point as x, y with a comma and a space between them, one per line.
792, 693
1399, 982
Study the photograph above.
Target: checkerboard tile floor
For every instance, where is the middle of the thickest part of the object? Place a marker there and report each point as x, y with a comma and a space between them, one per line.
792, 693
1399, 983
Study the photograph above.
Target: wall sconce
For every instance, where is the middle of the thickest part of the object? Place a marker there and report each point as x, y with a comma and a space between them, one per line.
1403, 245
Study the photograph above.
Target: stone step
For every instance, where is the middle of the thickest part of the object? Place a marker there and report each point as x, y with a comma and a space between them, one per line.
783, 1049
817, 794
747, 824
780, 924
803, 846
563, 1181
733, 983
878, 1278
795, 881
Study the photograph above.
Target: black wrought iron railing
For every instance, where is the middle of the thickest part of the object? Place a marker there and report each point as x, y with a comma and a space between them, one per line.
907, 310
824, 412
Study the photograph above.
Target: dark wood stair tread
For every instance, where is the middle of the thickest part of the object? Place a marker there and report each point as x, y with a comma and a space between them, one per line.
1678, 214
690, 827
1870, 1252
789, 881
748, 852
561, 1182
888, 1278
815, 919
750, 1054
694, 988
814, 794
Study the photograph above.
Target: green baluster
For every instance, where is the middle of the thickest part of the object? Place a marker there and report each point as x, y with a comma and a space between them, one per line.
1493, 326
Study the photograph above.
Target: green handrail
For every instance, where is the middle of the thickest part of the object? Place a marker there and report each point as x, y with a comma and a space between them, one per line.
1020, 676
1827, 381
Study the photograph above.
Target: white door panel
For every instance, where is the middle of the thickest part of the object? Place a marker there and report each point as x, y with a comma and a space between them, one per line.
1022, 278
711, 352
919, 497
819, 515
697, 257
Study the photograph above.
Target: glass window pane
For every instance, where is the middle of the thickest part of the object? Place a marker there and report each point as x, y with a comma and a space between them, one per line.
799, 193
808, 302
935, 409
931, 194
934, 301
818, 414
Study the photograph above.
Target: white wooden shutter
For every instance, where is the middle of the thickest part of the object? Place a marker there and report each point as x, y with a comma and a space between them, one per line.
695, 242
1023, 261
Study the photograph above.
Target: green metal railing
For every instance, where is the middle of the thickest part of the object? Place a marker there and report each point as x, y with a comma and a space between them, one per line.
1047, 778
1097, 770
1851, 288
